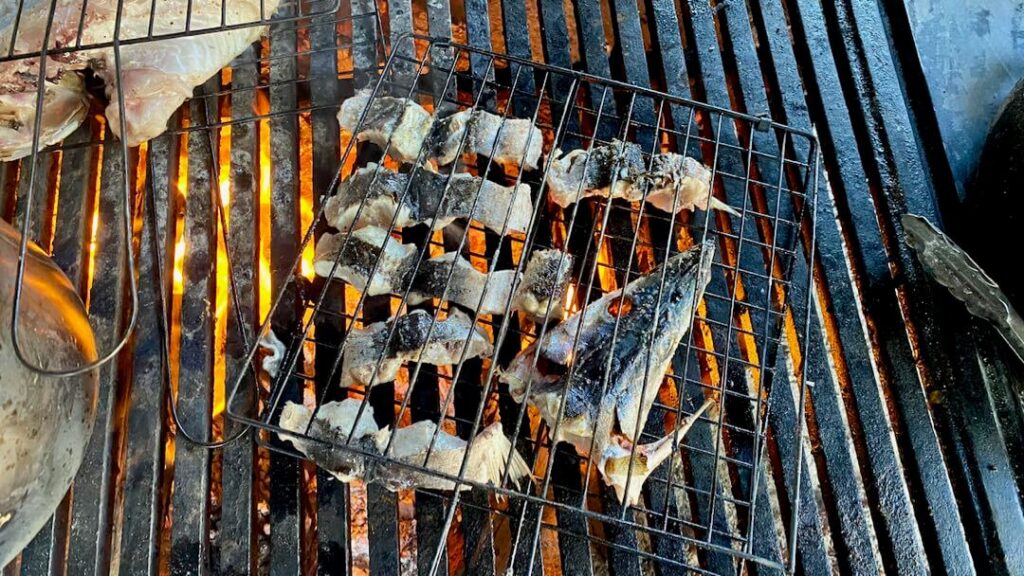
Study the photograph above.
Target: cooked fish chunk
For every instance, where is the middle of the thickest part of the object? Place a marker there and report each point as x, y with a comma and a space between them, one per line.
683, 183
582, 173
625, 339
400, 121
336, 421
467, 286
365, 247
544, 283
508, 141
398, 271
376, 194
370, 346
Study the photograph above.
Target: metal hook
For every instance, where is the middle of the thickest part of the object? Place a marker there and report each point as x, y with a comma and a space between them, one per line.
127, 220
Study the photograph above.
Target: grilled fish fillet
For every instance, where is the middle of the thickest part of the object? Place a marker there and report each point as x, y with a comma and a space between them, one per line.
370, 346
511, 142
398, 272
335, 422
379, 195
544, 283
674, 182
400, 121
626, 338
157, 77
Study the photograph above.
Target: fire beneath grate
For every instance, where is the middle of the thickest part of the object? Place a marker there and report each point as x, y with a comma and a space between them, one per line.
221, 208
704, 499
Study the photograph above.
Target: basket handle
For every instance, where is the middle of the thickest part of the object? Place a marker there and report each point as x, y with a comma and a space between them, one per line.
19, 285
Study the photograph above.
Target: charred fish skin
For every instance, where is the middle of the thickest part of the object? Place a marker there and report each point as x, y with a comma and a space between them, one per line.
423, 196
365, 249
650, 328
373, 192
398, 272
544, 285
583, 173
333, 424
466, 286
400, 121
370, 357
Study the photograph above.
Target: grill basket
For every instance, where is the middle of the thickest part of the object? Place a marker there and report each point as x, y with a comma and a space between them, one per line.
705, 500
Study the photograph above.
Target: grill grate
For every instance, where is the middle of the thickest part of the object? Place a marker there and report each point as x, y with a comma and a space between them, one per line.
706, 500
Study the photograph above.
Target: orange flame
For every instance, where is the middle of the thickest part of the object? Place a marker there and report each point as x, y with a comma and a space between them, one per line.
265, 287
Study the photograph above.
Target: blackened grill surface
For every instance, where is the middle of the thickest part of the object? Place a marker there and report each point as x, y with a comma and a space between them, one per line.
871, 414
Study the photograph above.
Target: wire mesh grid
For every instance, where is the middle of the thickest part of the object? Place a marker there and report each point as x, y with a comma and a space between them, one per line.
728, 356
241, 100
67, 30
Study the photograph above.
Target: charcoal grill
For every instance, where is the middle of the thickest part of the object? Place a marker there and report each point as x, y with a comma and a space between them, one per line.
882, 467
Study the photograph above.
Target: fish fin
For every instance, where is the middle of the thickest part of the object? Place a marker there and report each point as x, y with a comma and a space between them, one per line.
490, 451
716, 204
628, 486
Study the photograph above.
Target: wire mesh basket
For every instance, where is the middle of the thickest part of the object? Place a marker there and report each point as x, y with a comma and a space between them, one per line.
703, 499
79, 190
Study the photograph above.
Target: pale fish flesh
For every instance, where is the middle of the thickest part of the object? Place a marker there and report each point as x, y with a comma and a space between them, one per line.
64, 100
610, 378
157, 77
511, 142
398, 121
617, 170
485, 455
544, 284
65, 106
398, 272
370, 357
380, 196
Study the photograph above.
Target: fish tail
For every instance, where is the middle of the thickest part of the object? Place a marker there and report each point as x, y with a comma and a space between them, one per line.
656, 452
717, 204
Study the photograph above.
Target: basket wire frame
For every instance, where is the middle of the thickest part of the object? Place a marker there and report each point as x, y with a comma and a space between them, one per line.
298, 16
73, 16
571, 107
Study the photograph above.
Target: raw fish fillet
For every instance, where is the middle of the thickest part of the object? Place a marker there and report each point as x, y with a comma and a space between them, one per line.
64, 101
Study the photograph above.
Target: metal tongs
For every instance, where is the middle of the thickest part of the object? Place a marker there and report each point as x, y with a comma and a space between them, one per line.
950, 266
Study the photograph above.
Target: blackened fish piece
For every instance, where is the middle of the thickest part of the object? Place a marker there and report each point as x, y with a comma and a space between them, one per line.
679, 182
544, 284
583, 173
618, 170
400, 121
375, 194
364, 248
398, 272
511, 142
370, 357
